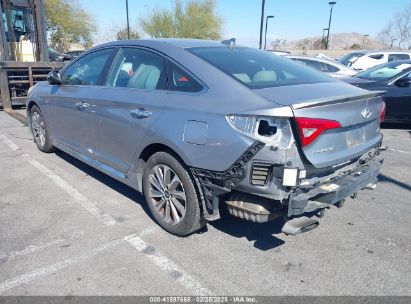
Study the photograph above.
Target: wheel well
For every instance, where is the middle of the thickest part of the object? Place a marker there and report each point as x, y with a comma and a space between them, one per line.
30, 105
147, 153
154, 148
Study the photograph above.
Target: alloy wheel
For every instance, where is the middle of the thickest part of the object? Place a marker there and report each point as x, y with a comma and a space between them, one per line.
38, 127
167, 194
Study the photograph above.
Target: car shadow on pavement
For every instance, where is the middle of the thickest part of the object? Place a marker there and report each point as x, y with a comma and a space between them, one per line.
386, 179
117, 186
260, 233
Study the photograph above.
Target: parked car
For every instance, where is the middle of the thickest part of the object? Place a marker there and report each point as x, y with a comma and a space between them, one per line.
395, 79
55, 55
331, 67
194, 124
364, 60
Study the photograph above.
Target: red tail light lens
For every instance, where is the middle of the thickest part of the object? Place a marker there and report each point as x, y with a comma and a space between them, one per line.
382, 114
311, 128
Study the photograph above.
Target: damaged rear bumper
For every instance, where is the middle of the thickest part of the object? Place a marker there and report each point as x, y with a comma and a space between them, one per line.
333, 192
274, 199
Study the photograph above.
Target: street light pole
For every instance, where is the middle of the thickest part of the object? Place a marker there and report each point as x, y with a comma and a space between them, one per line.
128, 23
363, 40
332, 3
265, 36
262, 23
326, 29
323, 38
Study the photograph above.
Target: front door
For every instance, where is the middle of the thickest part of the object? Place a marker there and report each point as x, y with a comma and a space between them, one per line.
70, 102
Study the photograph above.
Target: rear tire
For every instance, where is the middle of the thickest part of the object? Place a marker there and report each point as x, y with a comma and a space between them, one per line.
40, 130
171, 195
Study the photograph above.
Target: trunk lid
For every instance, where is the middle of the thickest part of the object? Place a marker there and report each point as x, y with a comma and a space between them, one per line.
358, 112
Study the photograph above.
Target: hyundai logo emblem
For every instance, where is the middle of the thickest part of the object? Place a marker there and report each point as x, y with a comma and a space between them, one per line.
366, 113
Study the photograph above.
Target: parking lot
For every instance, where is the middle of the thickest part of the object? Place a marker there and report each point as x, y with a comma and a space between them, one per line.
66, 229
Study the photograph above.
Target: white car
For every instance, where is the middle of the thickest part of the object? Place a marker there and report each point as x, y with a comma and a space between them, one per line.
331, 67
364, 60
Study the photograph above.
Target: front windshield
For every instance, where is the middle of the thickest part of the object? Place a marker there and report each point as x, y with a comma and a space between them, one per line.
259, 69
385, 71
347, 60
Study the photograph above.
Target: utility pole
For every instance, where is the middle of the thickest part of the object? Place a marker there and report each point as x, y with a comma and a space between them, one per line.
363, 40
323, 41
329, 22
128, 23
262, 23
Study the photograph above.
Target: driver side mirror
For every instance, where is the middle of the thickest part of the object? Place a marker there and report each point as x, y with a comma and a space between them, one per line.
403, 82
54, 78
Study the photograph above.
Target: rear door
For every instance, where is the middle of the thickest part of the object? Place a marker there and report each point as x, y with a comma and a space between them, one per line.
127, 106
70, 102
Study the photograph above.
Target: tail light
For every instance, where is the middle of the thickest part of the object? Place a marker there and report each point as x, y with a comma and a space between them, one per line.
311, 128
382, 114
273, 131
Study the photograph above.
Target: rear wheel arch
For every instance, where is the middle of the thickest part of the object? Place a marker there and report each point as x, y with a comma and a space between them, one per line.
153, 148
150, 150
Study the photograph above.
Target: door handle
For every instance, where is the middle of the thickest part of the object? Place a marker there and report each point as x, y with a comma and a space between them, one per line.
82, 105
140, 113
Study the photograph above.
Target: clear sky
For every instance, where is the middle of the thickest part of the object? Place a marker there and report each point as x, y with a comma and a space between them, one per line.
294, 19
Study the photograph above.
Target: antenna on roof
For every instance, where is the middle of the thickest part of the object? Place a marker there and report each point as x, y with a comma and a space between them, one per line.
229, 42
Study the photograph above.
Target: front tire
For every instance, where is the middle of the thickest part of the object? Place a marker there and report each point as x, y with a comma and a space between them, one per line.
171, 195
40, 130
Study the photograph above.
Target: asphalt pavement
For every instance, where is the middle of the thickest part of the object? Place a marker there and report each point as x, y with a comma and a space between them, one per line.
67, 229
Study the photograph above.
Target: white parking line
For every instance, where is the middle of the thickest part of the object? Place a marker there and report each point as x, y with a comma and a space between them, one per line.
8, 142
401, 151
73, 192
159, 259
42, 271
41, 246
167, 265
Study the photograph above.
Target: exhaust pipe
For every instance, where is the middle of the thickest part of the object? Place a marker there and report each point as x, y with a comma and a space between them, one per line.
299, 225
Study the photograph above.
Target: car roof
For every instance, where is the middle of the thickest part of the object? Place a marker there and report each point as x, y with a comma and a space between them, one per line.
395, 62
178, 42
368, 52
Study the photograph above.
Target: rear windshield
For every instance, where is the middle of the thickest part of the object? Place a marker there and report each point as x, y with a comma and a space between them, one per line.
259, 69
385, 71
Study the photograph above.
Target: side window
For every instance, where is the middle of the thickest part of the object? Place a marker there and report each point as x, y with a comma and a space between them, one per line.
138, 69
330, 68
407, 76
376, 56
314, 64
394, 57
87, 70
180, 81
